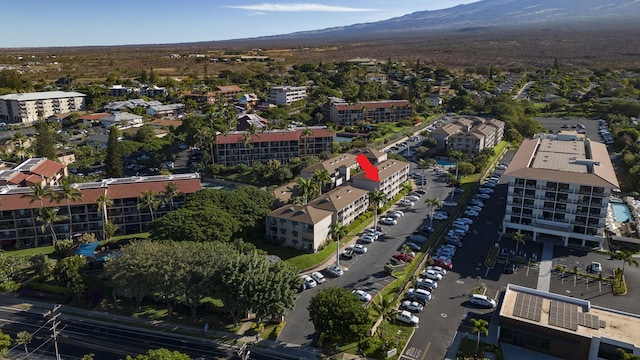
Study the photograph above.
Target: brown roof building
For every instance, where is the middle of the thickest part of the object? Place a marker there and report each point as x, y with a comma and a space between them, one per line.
34, 171
559, 188
299, 226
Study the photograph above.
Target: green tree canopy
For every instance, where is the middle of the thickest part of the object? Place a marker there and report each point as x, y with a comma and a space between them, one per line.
45, 140
161, 354
338, 314
113, 159
188, 224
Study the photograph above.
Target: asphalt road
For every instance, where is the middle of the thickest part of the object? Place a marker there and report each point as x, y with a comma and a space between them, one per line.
364, 271
80, 336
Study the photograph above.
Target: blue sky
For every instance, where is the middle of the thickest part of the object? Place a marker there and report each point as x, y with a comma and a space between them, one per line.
40, 23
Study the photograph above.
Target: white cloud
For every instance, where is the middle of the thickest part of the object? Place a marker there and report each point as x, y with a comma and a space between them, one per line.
299, 8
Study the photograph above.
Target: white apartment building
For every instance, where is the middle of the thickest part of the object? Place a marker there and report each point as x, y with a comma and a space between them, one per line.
301, 227
559, 188
30, 107
285, 95
346, 203
339, 168
392, 174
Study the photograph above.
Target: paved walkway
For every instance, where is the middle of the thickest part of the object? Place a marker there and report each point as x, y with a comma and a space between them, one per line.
546, 262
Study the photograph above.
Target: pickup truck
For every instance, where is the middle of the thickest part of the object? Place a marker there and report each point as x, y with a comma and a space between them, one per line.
407, 318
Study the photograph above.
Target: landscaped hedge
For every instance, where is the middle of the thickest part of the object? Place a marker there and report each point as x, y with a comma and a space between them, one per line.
619, 285
50, 288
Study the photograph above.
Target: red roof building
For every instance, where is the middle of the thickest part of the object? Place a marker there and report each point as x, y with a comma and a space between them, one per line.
340, 112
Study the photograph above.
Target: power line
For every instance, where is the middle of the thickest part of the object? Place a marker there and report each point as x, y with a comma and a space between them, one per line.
54, 314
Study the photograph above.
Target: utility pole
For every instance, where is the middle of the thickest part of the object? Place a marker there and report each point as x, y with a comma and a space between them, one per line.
53, 315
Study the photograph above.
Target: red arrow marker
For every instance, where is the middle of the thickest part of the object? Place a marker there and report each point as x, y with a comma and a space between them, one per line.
370, 171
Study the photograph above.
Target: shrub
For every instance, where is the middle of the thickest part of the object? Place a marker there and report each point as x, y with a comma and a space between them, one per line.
50, 288
63, 246
619, 286
9, 286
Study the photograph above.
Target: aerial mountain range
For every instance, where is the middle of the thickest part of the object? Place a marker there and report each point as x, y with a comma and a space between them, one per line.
486, 14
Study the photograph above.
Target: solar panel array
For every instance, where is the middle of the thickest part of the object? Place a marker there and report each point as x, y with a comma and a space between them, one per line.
590, 321
564, 315
528, 306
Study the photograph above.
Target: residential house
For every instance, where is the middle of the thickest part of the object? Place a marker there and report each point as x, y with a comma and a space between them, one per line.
559, 188
90, 119
31, 107
121, 120
230, 92
392, 174
300, 227
120, 91
153, 91
165, 110
248, 101
34, 171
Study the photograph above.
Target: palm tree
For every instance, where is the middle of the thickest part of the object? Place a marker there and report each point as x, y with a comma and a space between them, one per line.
384, 306
103, 203
247, 139
306, 188
170, 193
407, 186
432, 203
479, 326
322, 178
375, 198
338, 230
24, 338
149, 201
20, 138
68, 192
627, 258
48, 216
519, 239
39, 194
424, 165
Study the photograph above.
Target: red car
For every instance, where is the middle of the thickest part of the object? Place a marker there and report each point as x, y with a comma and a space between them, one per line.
403, 257
443, 264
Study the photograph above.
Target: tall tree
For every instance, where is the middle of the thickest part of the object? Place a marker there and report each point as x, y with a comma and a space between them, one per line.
149, 201
68, 192
39, 194
384, 305
338, 231
45, 140
104, 202
432, 203
24, 338
48, 216
306, 189
113, 160
376, 197
336, 313
170, 193
322, 178
479, 326
519, 239
627, 258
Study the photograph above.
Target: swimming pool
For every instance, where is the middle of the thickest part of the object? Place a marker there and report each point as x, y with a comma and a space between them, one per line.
621, 212
445, 163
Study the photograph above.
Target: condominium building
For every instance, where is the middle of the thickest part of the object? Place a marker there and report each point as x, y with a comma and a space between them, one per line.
392, 174
346, 203
339, 169
285, 95
31, 107
301, 227
564, 327
559, 188
20, 227
239, 147
340, 112
469, 135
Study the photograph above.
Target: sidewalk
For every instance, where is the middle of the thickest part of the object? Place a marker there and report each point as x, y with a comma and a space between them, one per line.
277, 348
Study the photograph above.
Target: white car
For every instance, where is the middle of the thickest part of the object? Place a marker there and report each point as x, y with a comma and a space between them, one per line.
373, 232
432, 274
426, 284
501, 167
318, 277
366, 239
419, 294
483, 196
406, 202
472, 213
465, 220
335, 271
474, 208
412, 306
460, 226
437, 269
482, 300
440, 216
489, 184
485, 190
407, 318
388, 221
308, 282
476, 202
399, 213
362, 295
359, 249
412, 198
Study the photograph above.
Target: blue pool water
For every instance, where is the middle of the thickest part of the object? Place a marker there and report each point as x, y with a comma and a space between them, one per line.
445, 163
341, 139
621, 212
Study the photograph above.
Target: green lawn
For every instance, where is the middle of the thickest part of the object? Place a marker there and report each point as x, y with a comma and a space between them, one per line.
48, 250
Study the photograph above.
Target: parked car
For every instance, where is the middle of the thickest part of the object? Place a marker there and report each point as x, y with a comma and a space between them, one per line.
415, 194
425, 229
376, 229
413, 246
392, 214
432, 275
403, 257
595, 267
483, 196
445, 253
417, 238
359, 249
412, 198
412, 306
388, 221
443, 263
454, 241
362, 295
407, 202
440, 216
372, 232
366, 239
421, 192
485, 190
460, 226
399, 213
472, 213
426, 284
437, 269
407, 318
318, 277
458, 191
476, 202
419, 294
474, 208
482, 300
509, 268
334, 270
308, 282
464, 220
348, 253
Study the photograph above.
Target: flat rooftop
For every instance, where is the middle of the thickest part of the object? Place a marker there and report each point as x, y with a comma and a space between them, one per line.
570, 315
